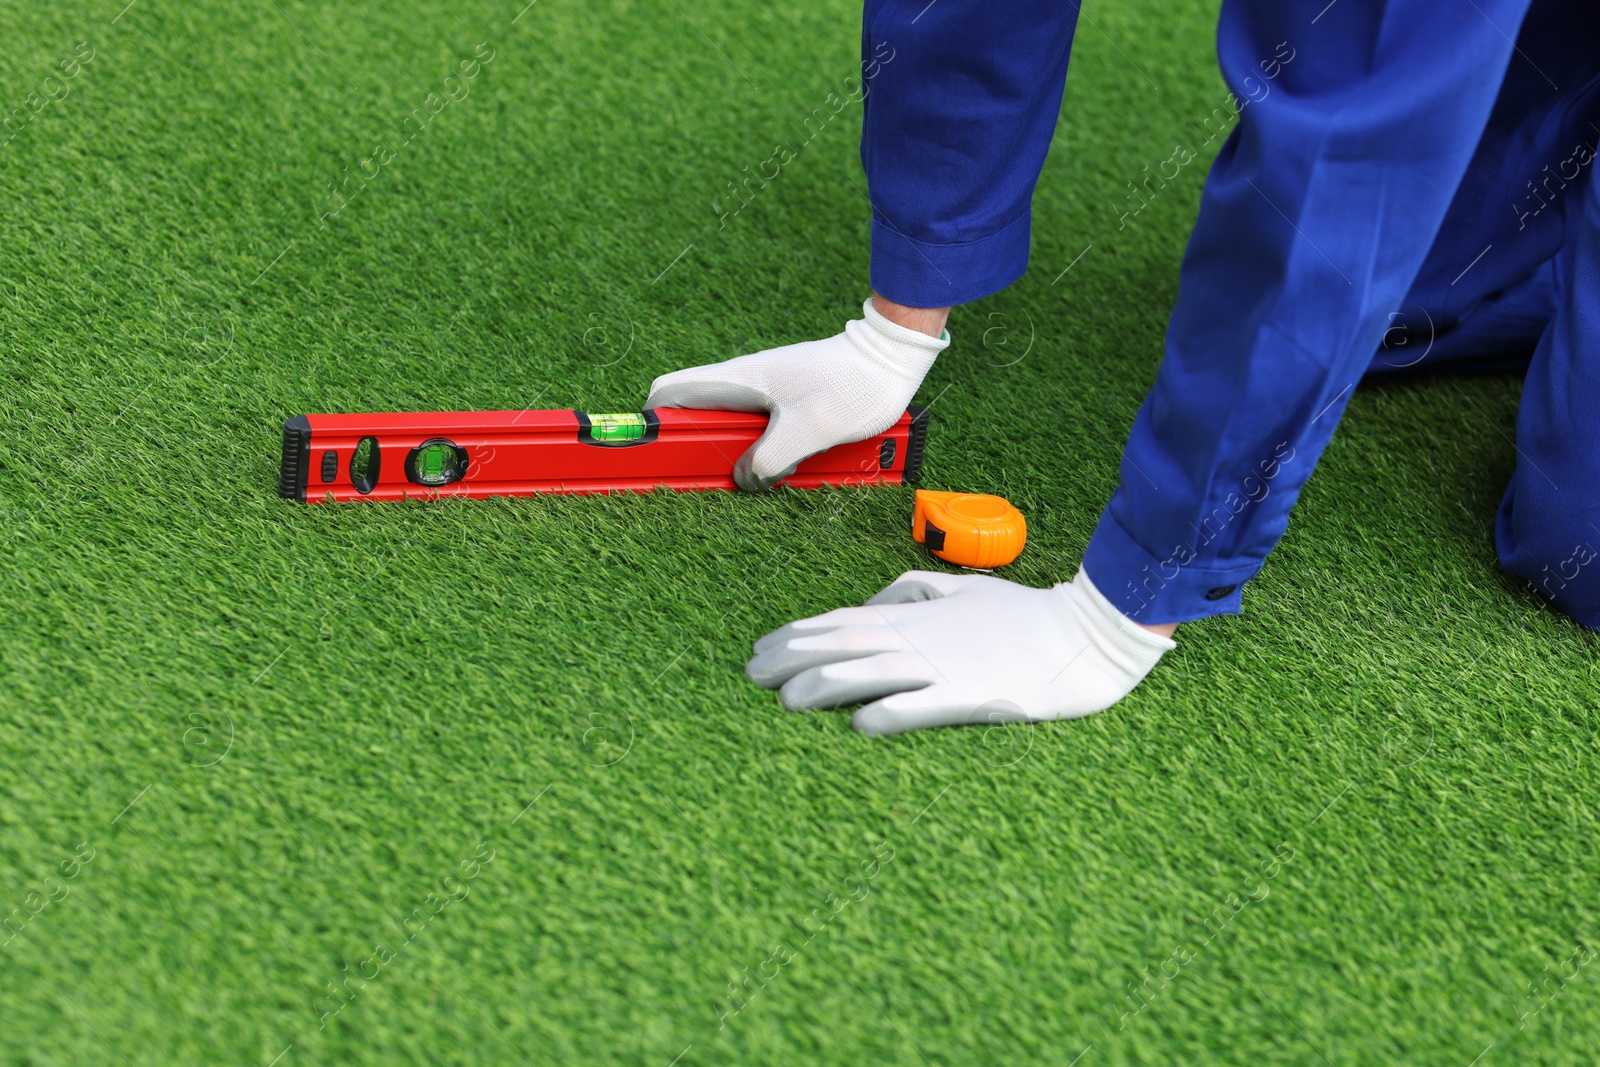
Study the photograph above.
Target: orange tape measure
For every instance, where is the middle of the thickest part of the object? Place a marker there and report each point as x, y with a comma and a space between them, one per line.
968, 529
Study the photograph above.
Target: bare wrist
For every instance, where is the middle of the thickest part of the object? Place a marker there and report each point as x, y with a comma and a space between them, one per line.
930, 321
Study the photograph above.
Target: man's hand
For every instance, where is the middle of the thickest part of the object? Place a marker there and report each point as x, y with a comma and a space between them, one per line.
821, 393
939, 649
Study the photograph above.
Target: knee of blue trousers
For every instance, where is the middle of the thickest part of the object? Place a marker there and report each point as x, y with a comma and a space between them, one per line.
1497, 334
1553, 546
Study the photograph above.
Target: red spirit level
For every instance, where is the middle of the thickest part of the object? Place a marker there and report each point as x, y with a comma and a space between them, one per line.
517, 453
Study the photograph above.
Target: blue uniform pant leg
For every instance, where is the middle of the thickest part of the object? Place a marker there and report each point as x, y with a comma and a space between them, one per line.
1316, 216
1487, 290
960, 102
1548, 528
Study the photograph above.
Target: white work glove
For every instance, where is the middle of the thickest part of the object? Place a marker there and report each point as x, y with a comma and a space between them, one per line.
821, 393
945, 649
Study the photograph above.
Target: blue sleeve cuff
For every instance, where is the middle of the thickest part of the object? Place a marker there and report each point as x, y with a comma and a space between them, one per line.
1151, 589
922, 275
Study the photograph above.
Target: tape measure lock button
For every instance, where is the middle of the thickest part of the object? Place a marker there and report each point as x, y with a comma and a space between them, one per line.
968, 529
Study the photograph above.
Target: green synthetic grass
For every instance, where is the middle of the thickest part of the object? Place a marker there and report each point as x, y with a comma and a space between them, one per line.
259, 737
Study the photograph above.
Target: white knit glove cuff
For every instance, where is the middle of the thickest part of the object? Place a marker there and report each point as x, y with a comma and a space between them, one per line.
1125, 643
903, 351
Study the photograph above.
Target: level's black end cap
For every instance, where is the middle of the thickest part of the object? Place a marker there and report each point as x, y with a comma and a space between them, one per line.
296, 465
918, 442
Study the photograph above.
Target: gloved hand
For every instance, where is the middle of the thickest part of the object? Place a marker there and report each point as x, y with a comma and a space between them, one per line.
821, 393
938, 649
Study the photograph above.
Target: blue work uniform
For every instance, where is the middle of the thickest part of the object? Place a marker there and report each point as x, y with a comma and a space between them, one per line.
1413, 190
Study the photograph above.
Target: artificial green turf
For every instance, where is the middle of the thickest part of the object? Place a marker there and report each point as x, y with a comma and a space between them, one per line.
319, 714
